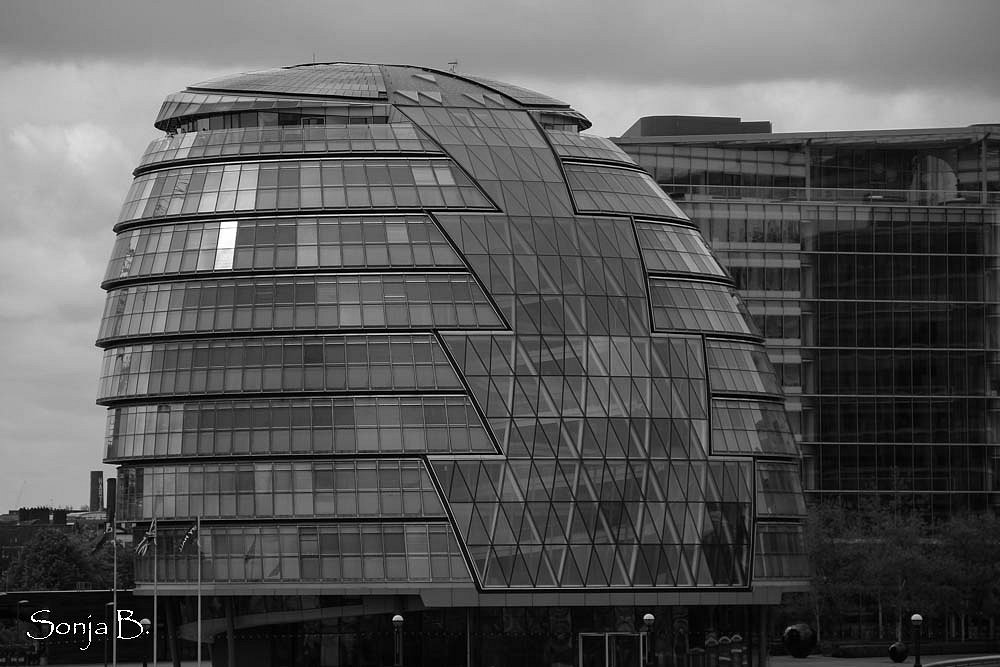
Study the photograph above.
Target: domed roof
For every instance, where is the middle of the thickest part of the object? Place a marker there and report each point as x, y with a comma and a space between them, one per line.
356, 83
359, 80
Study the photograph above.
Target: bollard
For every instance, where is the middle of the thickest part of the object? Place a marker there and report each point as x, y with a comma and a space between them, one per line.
711, 651
737, 650
725, 652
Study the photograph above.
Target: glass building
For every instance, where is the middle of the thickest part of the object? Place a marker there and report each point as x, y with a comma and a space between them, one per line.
407, 342
869, 260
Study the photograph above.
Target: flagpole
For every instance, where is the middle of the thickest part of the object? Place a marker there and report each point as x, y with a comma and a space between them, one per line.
114, 595
197, 546
156, 547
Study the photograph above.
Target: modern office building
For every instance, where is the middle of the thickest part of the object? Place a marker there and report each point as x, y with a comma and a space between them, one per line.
407, 342
870, 262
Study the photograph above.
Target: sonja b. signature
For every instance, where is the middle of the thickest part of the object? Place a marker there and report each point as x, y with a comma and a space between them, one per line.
126, 627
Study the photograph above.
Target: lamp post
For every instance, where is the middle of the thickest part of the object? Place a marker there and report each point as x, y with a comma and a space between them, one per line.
17, 614
145, 623
107, 614
647, 620
916, 620
397, 635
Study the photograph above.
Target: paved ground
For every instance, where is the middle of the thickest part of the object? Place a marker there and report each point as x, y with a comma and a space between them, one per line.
163, 663
780, 661
823, 661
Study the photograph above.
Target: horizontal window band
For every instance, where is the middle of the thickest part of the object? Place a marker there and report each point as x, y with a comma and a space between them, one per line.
330, 425
292, 457
296, 213
298, 158
691, 276
117, 341
265, 158
147, 399
171, 524
746, 338
368, 138
750, 396
384, 301
576, 160
266, 185
109, 343
282, 272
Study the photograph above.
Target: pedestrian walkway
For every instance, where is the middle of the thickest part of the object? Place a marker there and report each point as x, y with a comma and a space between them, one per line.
826, 661
163, 663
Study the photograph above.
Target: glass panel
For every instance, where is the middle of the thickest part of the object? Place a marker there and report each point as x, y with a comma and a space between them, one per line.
379, 301
675, 248
689, 305
336, 489
740, 367
779, 490
412, 424
780, 552
188, 190
308, 552
604, 189
572, 144
255, 365
194, 145
750, 427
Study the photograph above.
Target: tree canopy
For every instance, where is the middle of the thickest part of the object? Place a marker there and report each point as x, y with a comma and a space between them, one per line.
57, 559
887, 562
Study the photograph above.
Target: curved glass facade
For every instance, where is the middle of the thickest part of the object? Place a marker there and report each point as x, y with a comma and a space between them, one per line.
424, 340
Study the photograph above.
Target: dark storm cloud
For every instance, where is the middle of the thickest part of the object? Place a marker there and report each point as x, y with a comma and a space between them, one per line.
888, 44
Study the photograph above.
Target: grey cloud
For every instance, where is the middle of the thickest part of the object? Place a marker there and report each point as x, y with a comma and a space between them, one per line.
892, 44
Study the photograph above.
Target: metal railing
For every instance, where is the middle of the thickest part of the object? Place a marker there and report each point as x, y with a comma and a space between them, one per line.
682, 192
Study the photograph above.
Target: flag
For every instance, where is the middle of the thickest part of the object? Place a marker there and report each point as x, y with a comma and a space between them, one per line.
147, 539
252, 551
100, 543
190, 535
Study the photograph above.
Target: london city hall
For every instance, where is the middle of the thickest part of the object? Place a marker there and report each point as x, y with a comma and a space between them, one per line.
406, 342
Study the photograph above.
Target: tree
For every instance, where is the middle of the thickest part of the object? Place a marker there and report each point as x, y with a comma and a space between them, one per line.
879, 557
50, 561
970, 555
900, 564
104, 561
56, 559
835, 562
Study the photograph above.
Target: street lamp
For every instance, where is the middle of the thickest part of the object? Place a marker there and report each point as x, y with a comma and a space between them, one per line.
916, 620
109, 612
17, 616
647, 620
145, 623
397, 632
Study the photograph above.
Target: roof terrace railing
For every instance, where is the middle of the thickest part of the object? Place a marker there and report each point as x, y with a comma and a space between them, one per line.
686, 192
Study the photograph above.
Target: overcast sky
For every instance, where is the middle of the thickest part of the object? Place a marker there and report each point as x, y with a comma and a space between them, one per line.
82, 82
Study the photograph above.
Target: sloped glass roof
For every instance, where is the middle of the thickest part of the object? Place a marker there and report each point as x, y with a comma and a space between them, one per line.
336, 79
